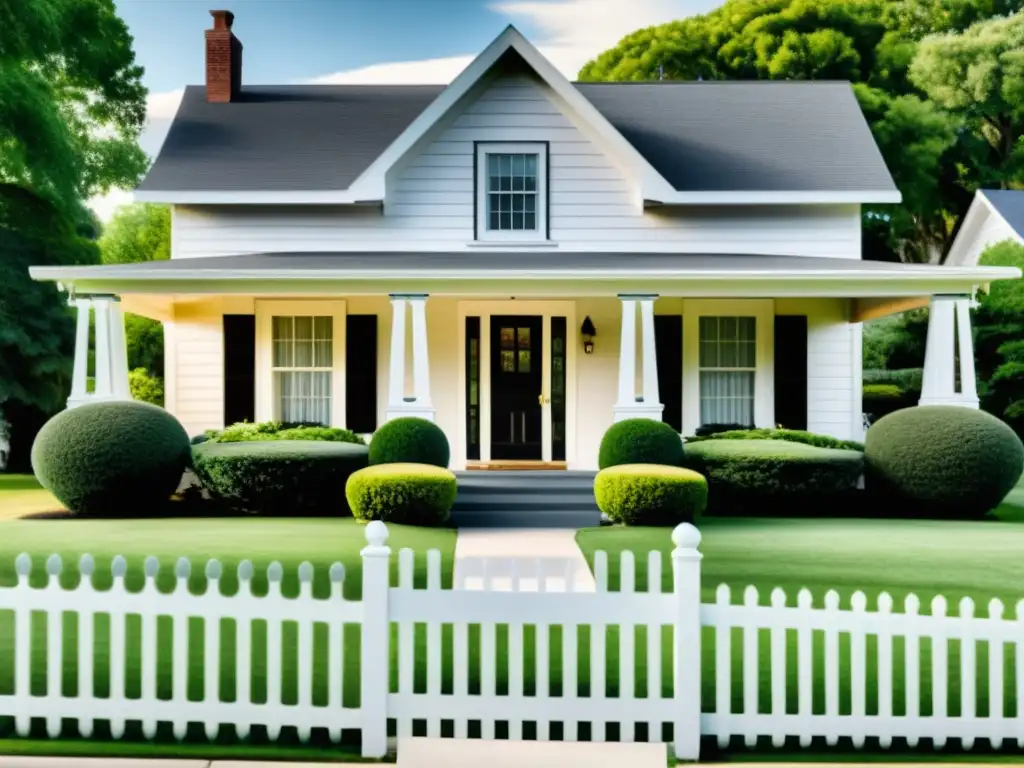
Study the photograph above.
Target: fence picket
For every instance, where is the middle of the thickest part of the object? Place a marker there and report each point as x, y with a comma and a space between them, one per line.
751, 673
54, 651
884, 672
148, 646
515, 663
179, 651
723, 664
86, 644
805, 665
940, 667
598, 634
23, 644
995, 674
243, 646
118, 567
627, 661
488, 665
305, 649
569, 686
460, 672
336, 649
275, 630
433, 643
406, 649
1019, 666
858, 669
831, 668
968, 668
778, 671
912, 667
654, 662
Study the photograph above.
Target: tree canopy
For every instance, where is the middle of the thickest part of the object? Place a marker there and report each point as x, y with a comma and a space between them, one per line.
72, 104
875, 44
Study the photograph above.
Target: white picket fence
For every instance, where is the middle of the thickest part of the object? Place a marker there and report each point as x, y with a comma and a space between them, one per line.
506, 663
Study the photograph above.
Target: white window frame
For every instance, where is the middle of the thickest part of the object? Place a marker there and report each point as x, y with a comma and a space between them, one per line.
266, 310
763, 312
483, 234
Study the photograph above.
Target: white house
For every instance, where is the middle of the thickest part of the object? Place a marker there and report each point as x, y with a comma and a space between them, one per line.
520, 258
995, 215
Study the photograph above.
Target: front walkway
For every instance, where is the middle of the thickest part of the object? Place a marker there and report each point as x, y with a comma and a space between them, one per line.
521, 559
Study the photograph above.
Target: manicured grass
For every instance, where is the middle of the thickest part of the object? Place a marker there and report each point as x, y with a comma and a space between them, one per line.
230, 540
22, 495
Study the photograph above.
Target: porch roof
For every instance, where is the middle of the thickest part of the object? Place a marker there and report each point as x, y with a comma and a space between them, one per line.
493, 272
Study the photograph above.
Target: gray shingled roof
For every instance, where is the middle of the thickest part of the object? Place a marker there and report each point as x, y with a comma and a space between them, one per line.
457, 263
1010, 204
710, 136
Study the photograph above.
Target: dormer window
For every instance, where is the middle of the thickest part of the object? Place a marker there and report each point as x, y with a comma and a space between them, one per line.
511, 192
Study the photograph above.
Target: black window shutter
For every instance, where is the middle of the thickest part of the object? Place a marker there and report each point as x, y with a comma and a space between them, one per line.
239, 368
791, 371
668, 343
361, 373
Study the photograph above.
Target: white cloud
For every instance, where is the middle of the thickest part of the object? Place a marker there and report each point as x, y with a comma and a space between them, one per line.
571, 32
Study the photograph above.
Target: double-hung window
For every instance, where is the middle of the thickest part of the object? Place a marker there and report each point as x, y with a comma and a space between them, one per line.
728, 364
302, 368
511, 192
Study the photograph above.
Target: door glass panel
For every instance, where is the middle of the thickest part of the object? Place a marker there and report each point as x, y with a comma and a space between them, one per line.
523, 337
472, 388
559, 343
508, 338
524, 361
508, 361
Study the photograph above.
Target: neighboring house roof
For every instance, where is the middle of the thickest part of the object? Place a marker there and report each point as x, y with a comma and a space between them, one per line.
726, 142
995, 215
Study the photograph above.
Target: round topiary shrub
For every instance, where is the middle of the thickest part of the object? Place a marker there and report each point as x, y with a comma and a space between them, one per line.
288, 477
650, 494
410, 494
111, 458
943, 460
409, 440
769, 477
640, 441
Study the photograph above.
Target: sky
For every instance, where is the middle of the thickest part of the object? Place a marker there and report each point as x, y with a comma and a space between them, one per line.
364, 41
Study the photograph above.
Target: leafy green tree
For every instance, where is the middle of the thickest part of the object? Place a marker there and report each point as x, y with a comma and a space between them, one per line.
146, 387
140, 232
72, 106
872, 43
978, 75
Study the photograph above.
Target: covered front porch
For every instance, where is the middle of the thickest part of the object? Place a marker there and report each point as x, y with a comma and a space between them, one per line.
523, 357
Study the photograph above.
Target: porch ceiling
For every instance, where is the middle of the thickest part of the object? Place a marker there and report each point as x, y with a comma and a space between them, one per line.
491, 272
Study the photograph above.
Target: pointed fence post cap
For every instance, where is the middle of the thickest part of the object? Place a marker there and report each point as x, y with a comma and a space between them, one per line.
376, 533
686, 536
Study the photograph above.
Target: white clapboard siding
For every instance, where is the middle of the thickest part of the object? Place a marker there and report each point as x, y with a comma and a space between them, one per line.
453, 636
430, 202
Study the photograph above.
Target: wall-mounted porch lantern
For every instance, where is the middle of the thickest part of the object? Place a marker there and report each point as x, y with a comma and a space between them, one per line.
588, 332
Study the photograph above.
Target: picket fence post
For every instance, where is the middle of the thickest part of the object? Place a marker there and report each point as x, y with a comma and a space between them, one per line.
686, 641
375, 650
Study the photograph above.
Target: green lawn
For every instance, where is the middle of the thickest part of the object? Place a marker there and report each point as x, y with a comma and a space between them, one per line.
230, 540
22, 495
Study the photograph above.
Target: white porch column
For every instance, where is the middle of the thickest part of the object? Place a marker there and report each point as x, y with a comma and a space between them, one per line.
103, 388
118, 353
939, 384
80, 373
648, 405
419, 404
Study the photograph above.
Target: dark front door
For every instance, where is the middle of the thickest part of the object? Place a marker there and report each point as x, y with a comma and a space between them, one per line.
516, 387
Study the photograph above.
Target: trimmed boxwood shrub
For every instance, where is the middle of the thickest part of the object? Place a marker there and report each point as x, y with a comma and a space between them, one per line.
411, 494
770, 477
790, 435
707, 430
409, 440
112, 458
287, 477
943, 460
640, 441
650, 494
882, 399
276, 430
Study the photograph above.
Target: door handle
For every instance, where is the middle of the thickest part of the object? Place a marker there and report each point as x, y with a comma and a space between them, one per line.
542, 400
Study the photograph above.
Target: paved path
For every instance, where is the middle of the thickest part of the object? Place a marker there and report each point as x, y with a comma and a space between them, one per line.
542, 559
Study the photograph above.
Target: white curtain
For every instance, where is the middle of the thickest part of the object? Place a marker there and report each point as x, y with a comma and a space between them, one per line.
728, 357
727, 397
303, 353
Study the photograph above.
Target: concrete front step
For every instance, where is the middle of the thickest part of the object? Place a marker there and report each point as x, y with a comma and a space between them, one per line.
525, 499
526, 519
477, 500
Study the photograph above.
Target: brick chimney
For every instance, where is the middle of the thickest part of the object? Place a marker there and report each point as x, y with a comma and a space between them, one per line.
223, 59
